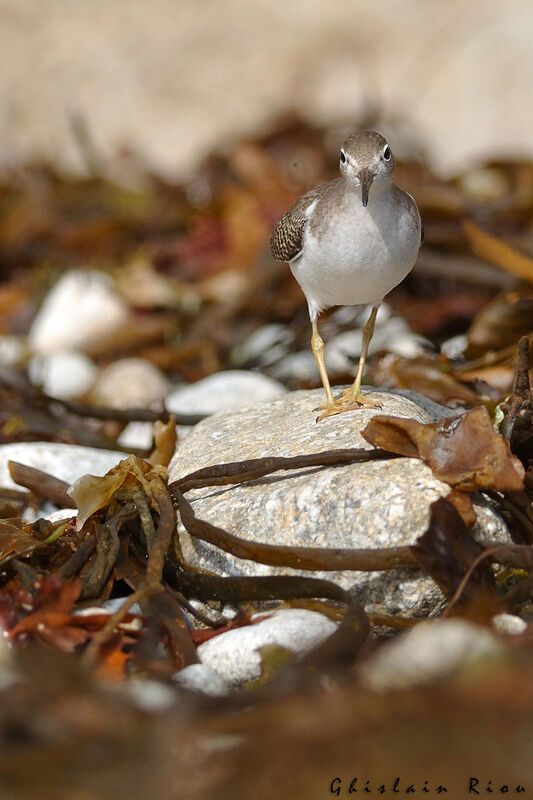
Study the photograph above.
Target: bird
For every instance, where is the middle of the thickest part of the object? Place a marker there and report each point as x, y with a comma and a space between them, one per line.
349, 242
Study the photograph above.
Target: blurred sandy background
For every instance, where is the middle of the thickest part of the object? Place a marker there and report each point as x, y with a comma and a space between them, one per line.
173, 79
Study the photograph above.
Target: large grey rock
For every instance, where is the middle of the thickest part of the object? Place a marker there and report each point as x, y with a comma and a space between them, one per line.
366, 505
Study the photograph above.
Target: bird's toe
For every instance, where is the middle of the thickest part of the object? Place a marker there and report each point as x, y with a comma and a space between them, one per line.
359, 400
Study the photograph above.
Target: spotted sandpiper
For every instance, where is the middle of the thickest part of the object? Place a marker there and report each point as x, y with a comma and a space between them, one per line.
349, 242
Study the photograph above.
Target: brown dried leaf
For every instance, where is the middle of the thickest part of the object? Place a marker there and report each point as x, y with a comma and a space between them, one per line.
462, 451
517, 423
424, 375
90, 493
14, 539
446, 551
492, 382
165, 438
463, 504
52, 606
501, 322
498, 252
40, 483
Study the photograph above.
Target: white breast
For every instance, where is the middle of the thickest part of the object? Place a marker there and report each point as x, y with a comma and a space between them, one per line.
360, 255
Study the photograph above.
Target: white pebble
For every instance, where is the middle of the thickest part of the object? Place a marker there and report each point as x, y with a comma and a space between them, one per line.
81, 308
13, 350
201, 678
130, 383
235, 654
64, 374
137, 435
432, 650
68, 462
509, 623
224, 391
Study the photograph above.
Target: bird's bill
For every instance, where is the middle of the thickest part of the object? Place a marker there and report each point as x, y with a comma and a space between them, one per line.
366, 177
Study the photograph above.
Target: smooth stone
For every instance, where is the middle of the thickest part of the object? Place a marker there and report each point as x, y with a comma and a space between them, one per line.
137, 435
343, 350
201, 678
390, 332
8, 666
235, 655
68, 462
224, 391
432, 650
484, 184
130, 383
64, 374
108, 608
13, 350
295, 367
343, 336
80, 309
375, 504
434, 410
151, 696
264, 346
59, 515
509, 624
455, 347
115, 603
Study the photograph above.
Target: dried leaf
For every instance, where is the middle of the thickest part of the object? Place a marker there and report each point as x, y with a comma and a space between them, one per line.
517, 423
40, 483
52, 606
463, 504
462, 451
491, 382
446, 551
501, 322
15, 542
91, 493
165, 438
498, 252
424, 375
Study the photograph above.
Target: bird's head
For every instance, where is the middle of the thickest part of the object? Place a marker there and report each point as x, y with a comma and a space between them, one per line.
366, 159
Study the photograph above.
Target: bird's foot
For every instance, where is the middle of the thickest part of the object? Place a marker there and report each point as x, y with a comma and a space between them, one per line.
344, 404
349, 400
330, 410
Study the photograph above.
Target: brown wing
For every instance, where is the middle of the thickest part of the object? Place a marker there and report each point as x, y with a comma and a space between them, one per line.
286, 241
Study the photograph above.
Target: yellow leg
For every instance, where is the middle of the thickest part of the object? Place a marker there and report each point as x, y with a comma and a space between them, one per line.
317, 346
353, 395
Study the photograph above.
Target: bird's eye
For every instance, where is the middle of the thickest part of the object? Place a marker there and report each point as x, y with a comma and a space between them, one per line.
387, 153
343, 157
